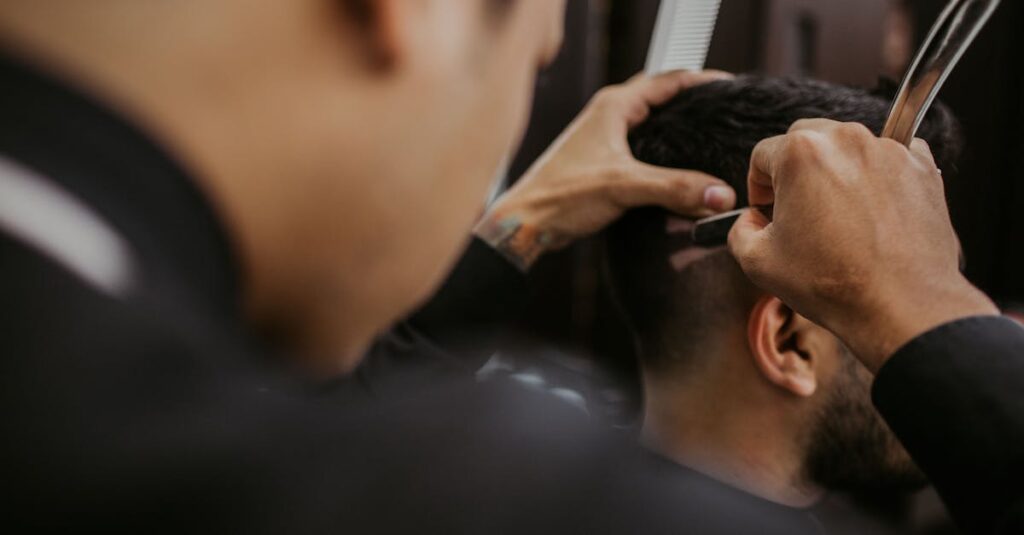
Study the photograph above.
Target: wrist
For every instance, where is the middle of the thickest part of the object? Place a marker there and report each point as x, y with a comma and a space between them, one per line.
511, 233
878, 331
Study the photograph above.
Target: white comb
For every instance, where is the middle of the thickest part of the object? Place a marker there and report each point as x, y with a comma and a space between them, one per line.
682, 35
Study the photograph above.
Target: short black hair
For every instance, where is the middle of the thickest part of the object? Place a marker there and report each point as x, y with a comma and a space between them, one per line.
714, 128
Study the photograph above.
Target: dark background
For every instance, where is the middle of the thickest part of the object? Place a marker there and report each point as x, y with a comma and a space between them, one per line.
847, 41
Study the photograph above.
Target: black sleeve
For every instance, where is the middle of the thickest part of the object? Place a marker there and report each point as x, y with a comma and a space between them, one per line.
461, 326
955, 398
481, 295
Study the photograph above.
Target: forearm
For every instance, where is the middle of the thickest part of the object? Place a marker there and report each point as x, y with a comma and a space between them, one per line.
894, 318
519, 241
588, 178
954, 398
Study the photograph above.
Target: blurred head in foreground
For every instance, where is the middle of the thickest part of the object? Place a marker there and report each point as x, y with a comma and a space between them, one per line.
289, 113
736, 384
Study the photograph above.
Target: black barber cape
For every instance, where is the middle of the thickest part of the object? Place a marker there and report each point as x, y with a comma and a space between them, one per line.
134, 398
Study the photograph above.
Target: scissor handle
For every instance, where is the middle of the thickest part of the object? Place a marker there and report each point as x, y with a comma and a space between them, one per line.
958, 25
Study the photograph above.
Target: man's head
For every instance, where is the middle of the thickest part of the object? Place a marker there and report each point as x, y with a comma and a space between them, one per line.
348, 144
701, 327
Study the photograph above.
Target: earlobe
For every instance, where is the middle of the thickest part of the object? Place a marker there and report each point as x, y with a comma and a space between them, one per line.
774, 334
379, 23
392, 31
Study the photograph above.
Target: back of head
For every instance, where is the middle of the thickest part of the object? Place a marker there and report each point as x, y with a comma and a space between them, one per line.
714, 128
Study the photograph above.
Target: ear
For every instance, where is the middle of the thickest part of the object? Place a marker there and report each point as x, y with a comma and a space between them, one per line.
777, 337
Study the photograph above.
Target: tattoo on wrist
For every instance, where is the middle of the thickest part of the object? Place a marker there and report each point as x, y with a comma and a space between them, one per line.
520, 243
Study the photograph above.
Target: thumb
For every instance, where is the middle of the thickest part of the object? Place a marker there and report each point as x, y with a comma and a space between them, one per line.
749, 241
684, 192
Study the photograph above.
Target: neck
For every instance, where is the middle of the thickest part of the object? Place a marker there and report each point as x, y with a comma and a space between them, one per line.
735, 434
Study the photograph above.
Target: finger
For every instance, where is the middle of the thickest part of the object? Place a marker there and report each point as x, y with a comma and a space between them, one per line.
689, 193
702, 76
678, 225
764, 163
747, 239
820, 125
920, 149
660, 88
650, 91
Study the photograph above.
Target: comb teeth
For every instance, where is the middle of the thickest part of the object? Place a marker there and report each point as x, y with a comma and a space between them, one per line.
682, 35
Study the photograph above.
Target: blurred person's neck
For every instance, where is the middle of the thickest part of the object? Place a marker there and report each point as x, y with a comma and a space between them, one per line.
724, 422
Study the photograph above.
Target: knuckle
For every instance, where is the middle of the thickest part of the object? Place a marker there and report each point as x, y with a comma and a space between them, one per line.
916, 167
618, 174
608, 97
921, 144
854, 132
803, 143
685, 182
802, 124
894, 153
620, 186
622, 194
685, 194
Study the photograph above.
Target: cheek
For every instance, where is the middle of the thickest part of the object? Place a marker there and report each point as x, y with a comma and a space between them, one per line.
481, 119
507, 114
453, 195
556, 36
493, 130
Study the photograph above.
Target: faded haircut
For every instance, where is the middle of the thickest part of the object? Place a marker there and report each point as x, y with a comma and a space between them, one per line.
714, 128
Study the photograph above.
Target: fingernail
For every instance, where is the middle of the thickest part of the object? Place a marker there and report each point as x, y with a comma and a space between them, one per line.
719, 198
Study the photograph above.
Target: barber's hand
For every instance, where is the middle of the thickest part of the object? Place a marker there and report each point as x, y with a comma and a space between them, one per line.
588, 177
860, 241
